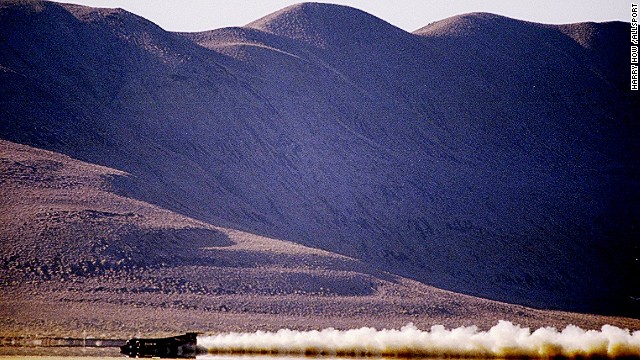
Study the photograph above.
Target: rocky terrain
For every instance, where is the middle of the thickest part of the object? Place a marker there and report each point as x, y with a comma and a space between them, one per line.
316, 167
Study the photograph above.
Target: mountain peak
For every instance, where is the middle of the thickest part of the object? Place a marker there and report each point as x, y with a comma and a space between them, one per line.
591, 34
322, 24
464, 24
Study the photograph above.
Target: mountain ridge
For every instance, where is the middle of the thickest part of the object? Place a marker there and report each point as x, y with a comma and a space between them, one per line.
437, 165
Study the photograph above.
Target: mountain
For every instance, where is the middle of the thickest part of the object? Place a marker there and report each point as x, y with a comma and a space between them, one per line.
481, 155
81, 259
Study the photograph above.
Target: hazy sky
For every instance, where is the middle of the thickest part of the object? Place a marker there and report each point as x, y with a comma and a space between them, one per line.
198, 15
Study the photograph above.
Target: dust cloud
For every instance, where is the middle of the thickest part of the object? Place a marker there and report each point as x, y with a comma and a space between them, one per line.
504, 340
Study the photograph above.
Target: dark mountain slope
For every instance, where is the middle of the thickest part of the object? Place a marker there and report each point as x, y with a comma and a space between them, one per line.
521, 134
604, 52
107, 86
481, 154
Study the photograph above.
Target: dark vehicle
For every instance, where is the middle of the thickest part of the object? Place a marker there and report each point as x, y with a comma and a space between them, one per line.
182, 346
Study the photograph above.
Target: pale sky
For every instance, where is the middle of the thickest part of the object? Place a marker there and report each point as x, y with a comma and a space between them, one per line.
200, 15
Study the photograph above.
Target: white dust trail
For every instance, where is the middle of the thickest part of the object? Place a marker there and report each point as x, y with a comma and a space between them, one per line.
505, 340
